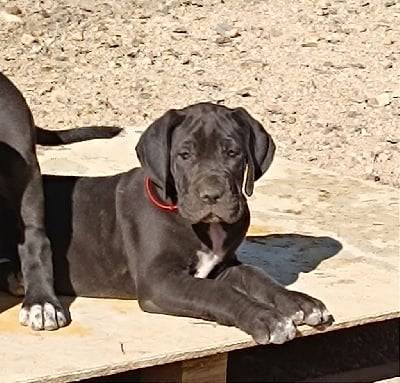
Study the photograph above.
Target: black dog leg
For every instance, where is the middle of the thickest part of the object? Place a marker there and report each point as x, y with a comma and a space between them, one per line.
299, 307
41, 309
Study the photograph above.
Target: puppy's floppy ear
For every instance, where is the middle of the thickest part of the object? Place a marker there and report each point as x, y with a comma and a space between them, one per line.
153, 149
260, 148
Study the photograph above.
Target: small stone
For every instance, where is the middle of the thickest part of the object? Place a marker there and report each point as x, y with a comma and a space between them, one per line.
145, 96
290, 119
388, 40
234, 32
329, 64
61, 58
390, 3
226, 30
360, 28
133, 53
185, 60
221, 40
87, 6
323, 12
276, 32
10, 18
144, 16
311, 43
323, 4
147, 61
36, 48
330, 127
198, 71
13, 10
358, 99
28, 39
137, 41
77, 35
353, 114
45, 14
393, 140
46, 68
273, 119
380, 100
333, 11
387, 65
273, 108
332, 39
180, 29
244, 92
113, 42
373, 177
358, 65
44, 88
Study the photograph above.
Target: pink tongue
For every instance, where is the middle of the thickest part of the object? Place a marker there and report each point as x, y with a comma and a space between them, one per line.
217, 236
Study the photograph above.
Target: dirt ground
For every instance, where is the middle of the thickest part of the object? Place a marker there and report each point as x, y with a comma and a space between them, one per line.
322, 76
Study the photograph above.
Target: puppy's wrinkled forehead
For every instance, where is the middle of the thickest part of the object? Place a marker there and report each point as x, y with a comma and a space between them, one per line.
207, 130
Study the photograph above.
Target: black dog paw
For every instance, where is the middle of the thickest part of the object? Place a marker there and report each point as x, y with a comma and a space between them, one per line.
43, 316
303, 309
269, 326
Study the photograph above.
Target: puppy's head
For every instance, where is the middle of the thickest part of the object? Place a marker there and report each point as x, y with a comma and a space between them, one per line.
198, 155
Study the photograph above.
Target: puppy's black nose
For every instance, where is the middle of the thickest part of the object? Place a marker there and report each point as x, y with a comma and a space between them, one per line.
211, 194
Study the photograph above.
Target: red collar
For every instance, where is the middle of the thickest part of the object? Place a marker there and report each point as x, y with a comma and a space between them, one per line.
154, 200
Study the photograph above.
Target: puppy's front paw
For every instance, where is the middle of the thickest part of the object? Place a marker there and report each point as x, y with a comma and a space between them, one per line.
303, 309
269, 326
43, 316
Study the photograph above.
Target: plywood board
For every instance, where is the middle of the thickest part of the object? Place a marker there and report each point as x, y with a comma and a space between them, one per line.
333, 237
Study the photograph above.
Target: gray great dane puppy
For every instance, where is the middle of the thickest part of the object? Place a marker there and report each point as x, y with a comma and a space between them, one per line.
21, 200
166, 233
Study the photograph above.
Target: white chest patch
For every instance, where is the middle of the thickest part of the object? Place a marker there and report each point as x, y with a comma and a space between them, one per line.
207, 261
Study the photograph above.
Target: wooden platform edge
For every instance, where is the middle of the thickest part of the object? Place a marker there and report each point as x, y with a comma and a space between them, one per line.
202, 370
196, 356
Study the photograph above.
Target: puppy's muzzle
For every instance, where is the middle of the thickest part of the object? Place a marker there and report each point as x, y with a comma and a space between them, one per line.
213, 199
211, 189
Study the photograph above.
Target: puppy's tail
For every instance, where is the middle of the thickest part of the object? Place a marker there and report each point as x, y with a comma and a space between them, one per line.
68, 136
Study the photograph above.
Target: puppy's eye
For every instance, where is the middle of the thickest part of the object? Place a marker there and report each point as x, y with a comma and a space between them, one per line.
232, 153
184, 155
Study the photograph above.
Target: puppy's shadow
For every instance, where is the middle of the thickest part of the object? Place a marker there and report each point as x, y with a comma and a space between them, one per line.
285, 256
7, 301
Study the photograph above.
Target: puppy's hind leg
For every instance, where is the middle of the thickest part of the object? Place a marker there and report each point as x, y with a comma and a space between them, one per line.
10, 278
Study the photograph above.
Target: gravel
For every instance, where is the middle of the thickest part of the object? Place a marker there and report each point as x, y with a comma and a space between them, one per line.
322, 76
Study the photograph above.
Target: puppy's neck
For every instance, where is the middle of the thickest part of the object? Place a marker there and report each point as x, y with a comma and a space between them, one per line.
212, 236
222, 238
155, 195
208, 257
219, 242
